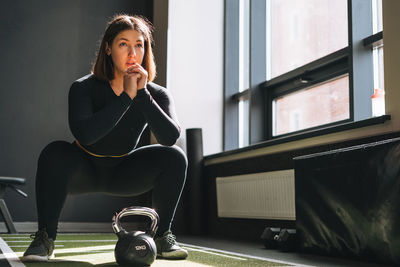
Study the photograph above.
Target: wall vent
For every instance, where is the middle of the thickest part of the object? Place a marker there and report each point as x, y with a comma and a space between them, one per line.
267, 195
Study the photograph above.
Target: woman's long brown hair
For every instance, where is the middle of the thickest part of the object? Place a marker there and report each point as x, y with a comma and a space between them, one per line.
103, 68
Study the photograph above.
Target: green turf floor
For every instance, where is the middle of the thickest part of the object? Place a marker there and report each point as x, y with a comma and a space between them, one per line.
79, 250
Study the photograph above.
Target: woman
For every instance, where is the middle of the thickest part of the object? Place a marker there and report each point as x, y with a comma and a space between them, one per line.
108, 111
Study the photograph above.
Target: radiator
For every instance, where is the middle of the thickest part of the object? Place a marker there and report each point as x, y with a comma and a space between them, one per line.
267, 195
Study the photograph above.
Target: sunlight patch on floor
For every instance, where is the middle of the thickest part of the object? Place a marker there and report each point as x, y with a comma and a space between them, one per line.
98, 250
104, 258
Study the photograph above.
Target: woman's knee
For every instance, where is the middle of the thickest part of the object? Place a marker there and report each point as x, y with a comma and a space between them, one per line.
177, 155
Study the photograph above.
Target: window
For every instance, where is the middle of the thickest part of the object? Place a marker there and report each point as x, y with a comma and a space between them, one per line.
295, 39
298, 66
378, 100
297, 111
244, 71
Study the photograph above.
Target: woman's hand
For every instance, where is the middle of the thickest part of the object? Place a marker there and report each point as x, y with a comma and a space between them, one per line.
131, 83
135, 79
142, 81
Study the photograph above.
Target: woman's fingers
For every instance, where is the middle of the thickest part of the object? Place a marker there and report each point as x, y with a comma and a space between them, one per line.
137, 68
131, 81
133, 74
142, 75
133, 68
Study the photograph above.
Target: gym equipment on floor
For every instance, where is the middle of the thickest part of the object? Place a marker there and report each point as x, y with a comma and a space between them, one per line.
10, 182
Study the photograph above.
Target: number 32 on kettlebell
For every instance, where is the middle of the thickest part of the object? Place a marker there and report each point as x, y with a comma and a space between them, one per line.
136, 248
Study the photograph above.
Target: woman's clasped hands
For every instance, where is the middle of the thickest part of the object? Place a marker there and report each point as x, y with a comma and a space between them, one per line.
135, 79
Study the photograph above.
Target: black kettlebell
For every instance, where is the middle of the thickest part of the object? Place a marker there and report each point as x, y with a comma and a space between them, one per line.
136, 248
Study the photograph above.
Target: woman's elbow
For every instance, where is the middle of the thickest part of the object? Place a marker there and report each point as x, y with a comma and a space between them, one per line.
81, 137
171, 139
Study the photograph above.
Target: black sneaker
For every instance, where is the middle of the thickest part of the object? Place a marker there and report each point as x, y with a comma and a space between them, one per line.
168, 248
41, 248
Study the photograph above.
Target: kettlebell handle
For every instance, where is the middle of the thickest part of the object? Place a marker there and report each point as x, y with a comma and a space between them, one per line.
135, 210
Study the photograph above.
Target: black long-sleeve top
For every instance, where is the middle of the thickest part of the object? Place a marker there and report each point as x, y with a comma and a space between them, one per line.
107, 124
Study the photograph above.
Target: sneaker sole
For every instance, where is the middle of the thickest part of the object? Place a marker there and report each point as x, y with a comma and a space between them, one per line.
37, 258
174, 255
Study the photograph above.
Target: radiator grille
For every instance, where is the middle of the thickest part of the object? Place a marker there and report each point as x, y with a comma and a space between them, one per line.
267, 195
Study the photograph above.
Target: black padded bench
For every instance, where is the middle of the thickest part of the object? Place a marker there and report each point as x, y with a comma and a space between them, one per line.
10, 182
348, 202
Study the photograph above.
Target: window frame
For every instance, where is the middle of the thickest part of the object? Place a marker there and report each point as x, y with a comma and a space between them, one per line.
356, 59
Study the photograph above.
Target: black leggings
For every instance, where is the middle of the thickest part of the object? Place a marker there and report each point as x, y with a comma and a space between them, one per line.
64, 168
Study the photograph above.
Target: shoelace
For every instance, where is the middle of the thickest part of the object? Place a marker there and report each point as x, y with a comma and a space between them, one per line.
40, 237
39, 234
171, 239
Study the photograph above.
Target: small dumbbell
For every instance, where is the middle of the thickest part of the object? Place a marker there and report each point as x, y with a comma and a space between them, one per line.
270, 237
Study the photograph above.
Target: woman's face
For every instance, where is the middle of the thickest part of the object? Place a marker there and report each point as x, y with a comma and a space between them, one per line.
126, 49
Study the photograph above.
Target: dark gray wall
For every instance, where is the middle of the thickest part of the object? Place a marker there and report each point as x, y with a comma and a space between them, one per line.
160, 13
46, 45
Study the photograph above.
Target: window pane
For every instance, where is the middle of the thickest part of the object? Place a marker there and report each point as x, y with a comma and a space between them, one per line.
377, 15
378, 68
243, 123
244, 24
244, 70
301, 31
378, 98
321, 104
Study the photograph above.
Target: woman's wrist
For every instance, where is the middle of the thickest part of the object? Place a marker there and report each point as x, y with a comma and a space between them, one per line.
126, 98
132, 95
141, 92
